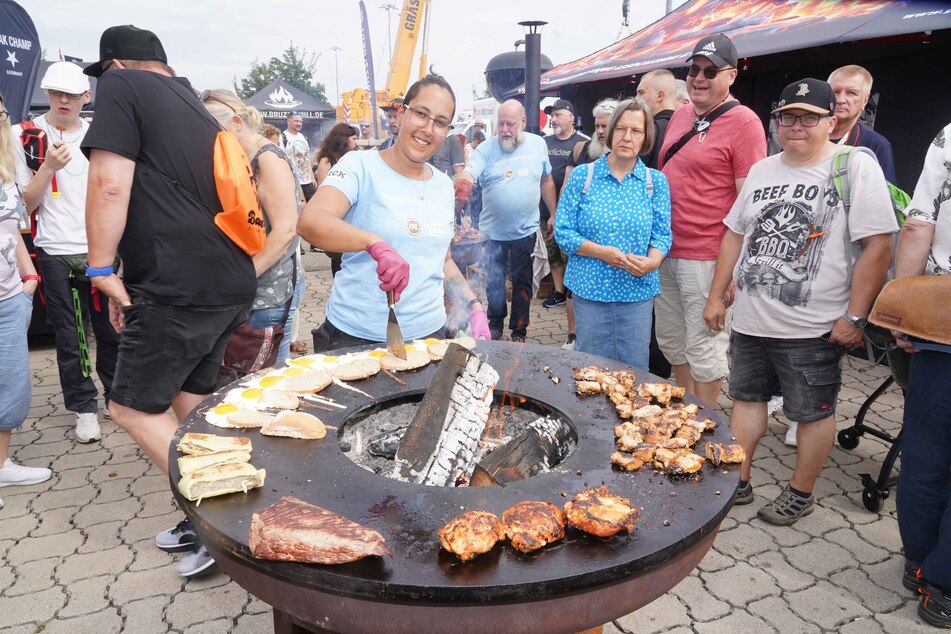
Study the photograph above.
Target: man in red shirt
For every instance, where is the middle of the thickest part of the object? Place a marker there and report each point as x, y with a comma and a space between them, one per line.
707, 152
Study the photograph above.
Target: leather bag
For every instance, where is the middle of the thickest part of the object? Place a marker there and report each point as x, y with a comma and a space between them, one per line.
918, 306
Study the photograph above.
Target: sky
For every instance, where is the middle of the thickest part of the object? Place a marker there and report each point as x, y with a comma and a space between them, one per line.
213, 41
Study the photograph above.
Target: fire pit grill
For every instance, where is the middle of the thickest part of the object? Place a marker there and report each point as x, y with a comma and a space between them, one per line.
678, 516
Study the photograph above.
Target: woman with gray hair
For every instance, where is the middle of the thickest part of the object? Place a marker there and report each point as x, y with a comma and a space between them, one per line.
613, 220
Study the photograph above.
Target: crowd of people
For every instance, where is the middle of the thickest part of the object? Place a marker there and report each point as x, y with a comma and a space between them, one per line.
671, 220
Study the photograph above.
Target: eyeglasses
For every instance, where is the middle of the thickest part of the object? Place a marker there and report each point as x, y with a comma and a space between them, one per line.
59, 94
207, 96
421, 118
709, 72
4, 115
623, 132
787, 120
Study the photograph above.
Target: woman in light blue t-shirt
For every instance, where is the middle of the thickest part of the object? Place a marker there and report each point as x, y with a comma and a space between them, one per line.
391, 215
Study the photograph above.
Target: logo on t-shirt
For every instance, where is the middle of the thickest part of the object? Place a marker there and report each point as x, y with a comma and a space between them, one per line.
413, 227
509, 174
338, 172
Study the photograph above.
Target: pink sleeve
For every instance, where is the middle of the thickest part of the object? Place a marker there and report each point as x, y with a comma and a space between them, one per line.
749, 145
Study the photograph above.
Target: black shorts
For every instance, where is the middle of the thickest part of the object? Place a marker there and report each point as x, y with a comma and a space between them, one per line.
809, 371
164, 350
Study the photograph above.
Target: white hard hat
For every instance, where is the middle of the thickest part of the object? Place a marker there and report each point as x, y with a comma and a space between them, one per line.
65, 77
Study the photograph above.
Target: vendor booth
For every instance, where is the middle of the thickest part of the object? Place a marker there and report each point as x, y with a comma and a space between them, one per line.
278, 99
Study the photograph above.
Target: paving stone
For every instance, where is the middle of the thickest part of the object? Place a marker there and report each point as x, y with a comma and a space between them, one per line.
141, 528
219, 626
102, 513
7, 577
887, 574
101, 623
102, 562
714, 561
820, 522
700, 605
71, 479
148, 556
110, 471
883, 533
86, 596
188, 608
904, 620
112, 491
850, 507
36, 548
737, 621
101, 537
77, 457
41, 607
740, 584
17, 527
873, 597
743, 542
862, 550
130, 586
126, 453
148, 615
150, 484
204, 582
775, 565
862, 625
54, 522
257, 623
158, 503
117, 439
658, 616
819, 558
776, 612
256, 606
825, 605
33, 576
72, 498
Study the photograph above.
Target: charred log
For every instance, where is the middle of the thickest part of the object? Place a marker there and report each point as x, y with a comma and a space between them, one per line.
544, 444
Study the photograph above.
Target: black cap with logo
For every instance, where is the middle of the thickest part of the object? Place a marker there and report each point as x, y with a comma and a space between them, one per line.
811, 95
718, 49
560, 104
127, 42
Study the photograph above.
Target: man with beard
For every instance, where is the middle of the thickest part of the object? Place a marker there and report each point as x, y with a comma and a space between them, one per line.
560, 145
802, 296
513, 170
658, 89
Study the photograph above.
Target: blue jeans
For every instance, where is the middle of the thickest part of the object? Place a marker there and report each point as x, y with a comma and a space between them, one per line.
264, 317
924, 486
516, 255
15, 392
616, 330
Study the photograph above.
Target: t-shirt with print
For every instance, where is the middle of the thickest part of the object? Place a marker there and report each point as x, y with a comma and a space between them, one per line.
415, 218
932, 201
702, 176
171, 250
11, 210
298, 149
511, 186
792, 277
559, 155
60, 219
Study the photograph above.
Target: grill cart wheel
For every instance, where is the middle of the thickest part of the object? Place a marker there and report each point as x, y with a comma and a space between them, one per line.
849, 439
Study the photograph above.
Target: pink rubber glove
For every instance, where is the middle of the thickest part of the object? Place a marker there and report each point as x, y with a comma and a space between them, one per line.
479, 324
463, 187
392, 269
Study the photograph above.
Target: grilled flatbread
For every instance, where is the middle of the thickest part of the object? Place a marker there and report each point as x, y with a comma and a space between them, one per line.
248, 419
278, 399
309, 382
414, 359
188, 464
438, 350
295, 425
220, 480
359, 368
196, 444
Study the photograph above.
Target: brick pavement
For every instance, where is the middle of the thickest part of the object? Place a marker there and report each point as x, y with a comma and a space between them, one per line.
77, 551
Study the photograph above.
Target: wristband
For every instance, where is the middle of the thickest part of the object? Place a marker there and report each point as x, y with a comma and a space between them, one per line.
472, 303
99, 272
31, 278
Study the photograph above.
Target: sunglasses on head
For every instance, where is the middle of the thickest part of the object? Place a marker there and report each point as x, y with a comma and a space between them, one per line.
709, 72
206, 95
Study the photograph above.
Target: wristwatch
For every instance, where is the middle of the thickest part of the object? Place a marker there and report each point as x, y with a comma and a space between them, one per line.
856, 322
98, 272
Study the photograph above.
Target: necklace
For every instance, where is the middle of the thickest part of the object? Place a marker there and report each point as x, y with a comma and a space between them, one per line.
420, 193
81, 160
700, 123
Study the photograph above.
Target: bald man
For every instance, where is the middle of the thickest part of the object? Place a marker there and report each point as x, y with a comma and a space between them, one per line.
658, 89
514, 171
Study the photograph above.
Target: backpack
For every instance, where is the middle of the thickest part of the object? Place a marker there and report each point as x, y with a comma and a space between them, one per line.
840, 171
35, 145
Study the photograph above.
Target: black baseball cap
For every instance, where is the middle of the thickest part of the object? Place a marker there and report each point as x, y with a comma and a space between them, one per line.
560, 104
718, 49
811, 95
127, 42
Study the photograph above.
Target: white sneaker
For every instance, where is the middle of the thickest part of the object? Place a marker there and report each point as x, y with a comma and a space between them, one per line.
790, 440
87, 427
775, 404
569, 342
12, 474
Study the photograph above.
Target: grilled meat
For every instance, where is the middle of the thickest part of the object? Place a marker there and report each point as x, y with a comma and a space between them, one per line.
626, 461
589, 373
644, 452
471, 534
585, 388
629, 442
689, 433
660, 392
678, 392
626, 429
600, 512
677, 461
626, 377
690, 408
717, 453
532, 524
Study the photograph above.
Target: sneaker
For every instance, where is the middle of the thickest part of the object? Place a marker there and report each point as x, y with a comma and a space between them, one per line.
744, 495
775, 404
555, 299
911, 578
196, 563
787, 508
178, 538
935, 606
569, 342
518, 338
12, 474
496, 334
790, 439
299, 347
87, 427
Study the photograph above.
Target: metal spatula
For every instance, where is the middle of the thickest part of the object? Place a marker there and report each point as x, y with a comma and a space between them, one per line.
394, 336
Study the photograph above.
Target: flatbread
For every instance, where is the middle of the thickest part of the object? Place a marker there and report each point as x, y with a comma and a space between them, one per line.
295, 425
437, 350
248, 419
307, 383
359, 368
278, 399
188, 464
195, 444
220, 480
466, 342
414, 359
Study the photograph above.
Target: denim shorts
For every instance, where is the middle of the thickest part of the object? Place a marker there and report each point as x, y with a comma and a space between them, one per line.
809, 371
164, 350
15, 387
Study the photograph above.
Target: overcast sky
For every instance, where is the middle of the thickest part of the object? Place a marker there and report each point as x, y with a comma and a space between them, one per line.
212, 41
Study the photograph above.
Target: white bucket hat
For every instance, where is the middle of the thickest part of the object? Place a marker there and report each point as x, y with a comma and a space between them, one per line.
65, 77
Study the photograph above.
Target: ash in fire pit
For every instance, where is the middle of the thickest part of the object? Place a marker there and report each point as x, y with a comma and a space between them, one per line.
520, 439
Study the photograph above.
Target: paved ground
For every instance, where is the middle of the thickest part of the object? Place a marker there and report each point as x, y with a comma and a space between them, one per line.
77, 552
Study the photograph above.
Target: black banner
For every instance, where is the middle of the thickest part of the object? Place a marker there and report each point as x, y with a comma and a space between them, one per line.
19, 59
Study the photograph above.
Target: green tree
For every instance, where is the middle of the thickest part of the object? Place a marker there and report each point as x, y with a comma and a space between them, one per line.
296, 67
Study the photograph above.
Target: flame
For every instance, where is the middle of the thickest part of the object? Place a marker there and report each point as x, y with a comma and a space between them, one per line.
281, 95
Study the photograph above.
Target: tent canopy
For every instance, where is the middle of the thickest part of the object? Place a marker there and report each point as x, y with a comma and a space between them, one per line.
757, 27
276, 100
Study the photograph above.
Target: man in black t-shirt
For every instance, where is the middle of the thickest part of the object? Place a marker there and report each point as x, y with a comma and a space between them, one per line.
152, 200
560, 144
658, 89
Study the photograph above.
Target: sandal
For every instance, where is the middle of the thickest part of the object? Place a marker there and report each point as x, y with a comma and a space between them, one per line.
298, 347
786, 509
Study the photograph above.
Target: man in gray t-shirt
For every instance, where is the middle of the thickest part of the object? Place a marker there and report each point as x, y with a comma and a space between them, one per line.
450, 158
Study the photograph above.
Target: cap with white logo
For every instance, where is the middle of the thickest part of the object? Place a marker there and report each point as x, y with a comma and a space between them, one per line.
718, 49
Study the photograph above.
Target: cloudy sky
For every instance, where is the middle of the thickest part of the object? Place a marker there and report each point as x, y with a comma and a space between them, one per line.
212, 41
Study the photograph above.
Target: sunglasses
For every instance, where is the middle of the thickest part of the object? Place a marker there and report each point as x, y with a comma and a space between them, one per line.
206, 96
59, 94
709, 72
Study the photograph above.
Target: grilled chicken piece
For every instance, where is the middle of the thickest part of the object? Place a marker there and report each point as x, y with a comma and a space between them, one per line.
629, 442
600, 512
471, 534
709, 424
690, 408
676, 415
608, 383
626, 377
619, 397
625, 461
677, 461
588, 387
655, 439
626, 429
689, 433
677, 392
589, 373
648, 412
675, 443
532, 524
644, 452
660, 392
717, 453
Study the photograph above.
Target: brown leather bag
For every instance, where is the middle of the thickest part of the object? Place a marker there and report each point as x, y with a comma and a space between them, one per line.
919, 306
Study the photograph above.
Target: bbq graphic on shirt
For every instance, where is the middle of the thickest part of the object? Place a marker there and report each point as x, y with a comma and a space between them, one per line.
784, 249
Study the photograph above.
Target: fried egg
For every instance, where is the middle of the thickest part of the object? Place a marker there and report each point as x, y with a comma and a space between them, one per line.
218, 415
246, 398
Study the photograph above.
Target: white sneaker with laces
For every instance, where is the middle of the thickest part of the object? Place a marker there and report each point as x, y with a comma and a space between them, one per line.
87, 427
775, 404
13, 474
790, 440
